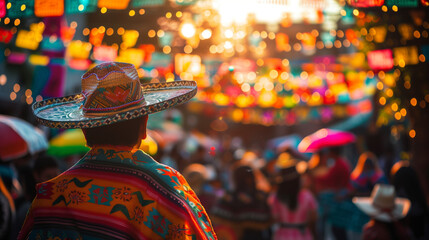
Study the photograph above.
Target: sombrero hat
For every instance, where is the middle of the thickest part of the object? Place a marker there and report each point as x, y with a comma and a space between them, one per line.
383, 205
111, 92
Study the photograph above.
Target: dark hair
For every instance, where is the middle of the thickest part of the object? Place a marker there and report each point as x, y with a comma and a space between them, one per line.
124, 133
407, 184
44, 162
244, 179
289, 186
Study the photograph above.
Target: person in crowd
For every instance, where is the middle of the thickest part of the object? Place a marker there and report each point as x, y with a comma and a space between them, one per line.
407, 185
330, 174
385, 210
293, 208
366, 174
244, 209
7, 212
44, 168
336, 175
197, 176
116, 191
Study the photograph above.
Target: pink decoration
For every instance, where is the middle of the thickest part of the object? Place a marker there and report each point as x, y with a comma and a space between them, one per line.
366, 3
17, 58
324, 138
2, 9
380, 59
79, 64
105, 53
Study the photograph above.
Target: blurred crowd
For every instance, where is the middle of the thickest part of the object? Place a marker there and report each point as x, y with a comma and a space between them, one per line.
261, 192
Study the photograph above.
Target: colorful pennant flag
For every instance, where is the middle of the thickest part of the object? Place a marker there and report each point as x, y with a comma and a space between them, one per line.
406, 55
113, 4
79, 49
80, 6
145, 3
105, 53
2, 8
48, 8
129, 38
380, 59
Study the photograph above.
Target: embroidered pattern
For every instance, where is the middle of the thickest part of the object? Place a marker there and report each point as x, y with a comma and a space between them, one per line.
158, 223
100, 195
151, 195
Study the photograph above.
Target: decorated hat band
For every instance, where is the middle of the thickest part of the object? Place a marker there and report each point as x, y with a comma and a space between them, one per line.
111, 92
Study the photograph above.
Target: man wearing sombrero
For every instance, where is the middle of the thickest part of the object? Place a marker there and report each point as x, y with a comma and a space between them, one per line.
115, 191
385, 210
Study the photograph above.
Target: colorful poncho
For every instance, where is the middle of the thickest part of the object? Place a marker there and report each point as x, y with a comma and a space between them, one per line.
115, 194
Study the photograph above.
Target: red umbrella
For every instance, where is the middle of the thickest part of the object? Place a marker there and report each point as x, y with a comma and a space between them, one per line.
325, 138
18, 138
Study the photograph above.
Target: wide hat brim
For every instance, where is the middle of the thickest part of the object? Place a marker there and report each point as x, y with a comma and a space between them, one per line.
66, 112
400, 210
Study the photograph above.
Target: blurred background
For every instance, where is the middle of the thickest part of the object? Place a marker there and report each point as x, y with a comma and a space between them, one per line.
269, 73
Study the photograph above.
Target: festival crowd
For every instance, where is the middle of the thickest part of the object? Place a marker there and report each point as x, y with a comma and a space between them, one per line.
197, 186
264, 193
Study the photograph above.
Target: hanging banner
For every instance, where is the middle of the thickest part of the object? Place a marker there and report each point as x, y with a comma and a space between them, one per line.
313, 4
365, 3
186, 2
239, 65
148, 49
380, 59
28, 39
48, 8
145, 3
96, 37
52, 44
38, 60
406, 31
79, 49
129, 38
20, 8
56, 82
402, 3
67, 33
53, 25
80, 6
356, 84
131, 55
5, 35
308, 44
105, 53
166, 40
16, 58
79, 64
187, 63
351, 35
113, 4
2, 8
406, 56
282, 42
380, 34
352, 61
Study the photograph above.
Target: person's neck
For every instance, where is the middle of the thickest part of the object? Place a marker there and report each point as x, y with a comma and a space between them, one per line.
116, 147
